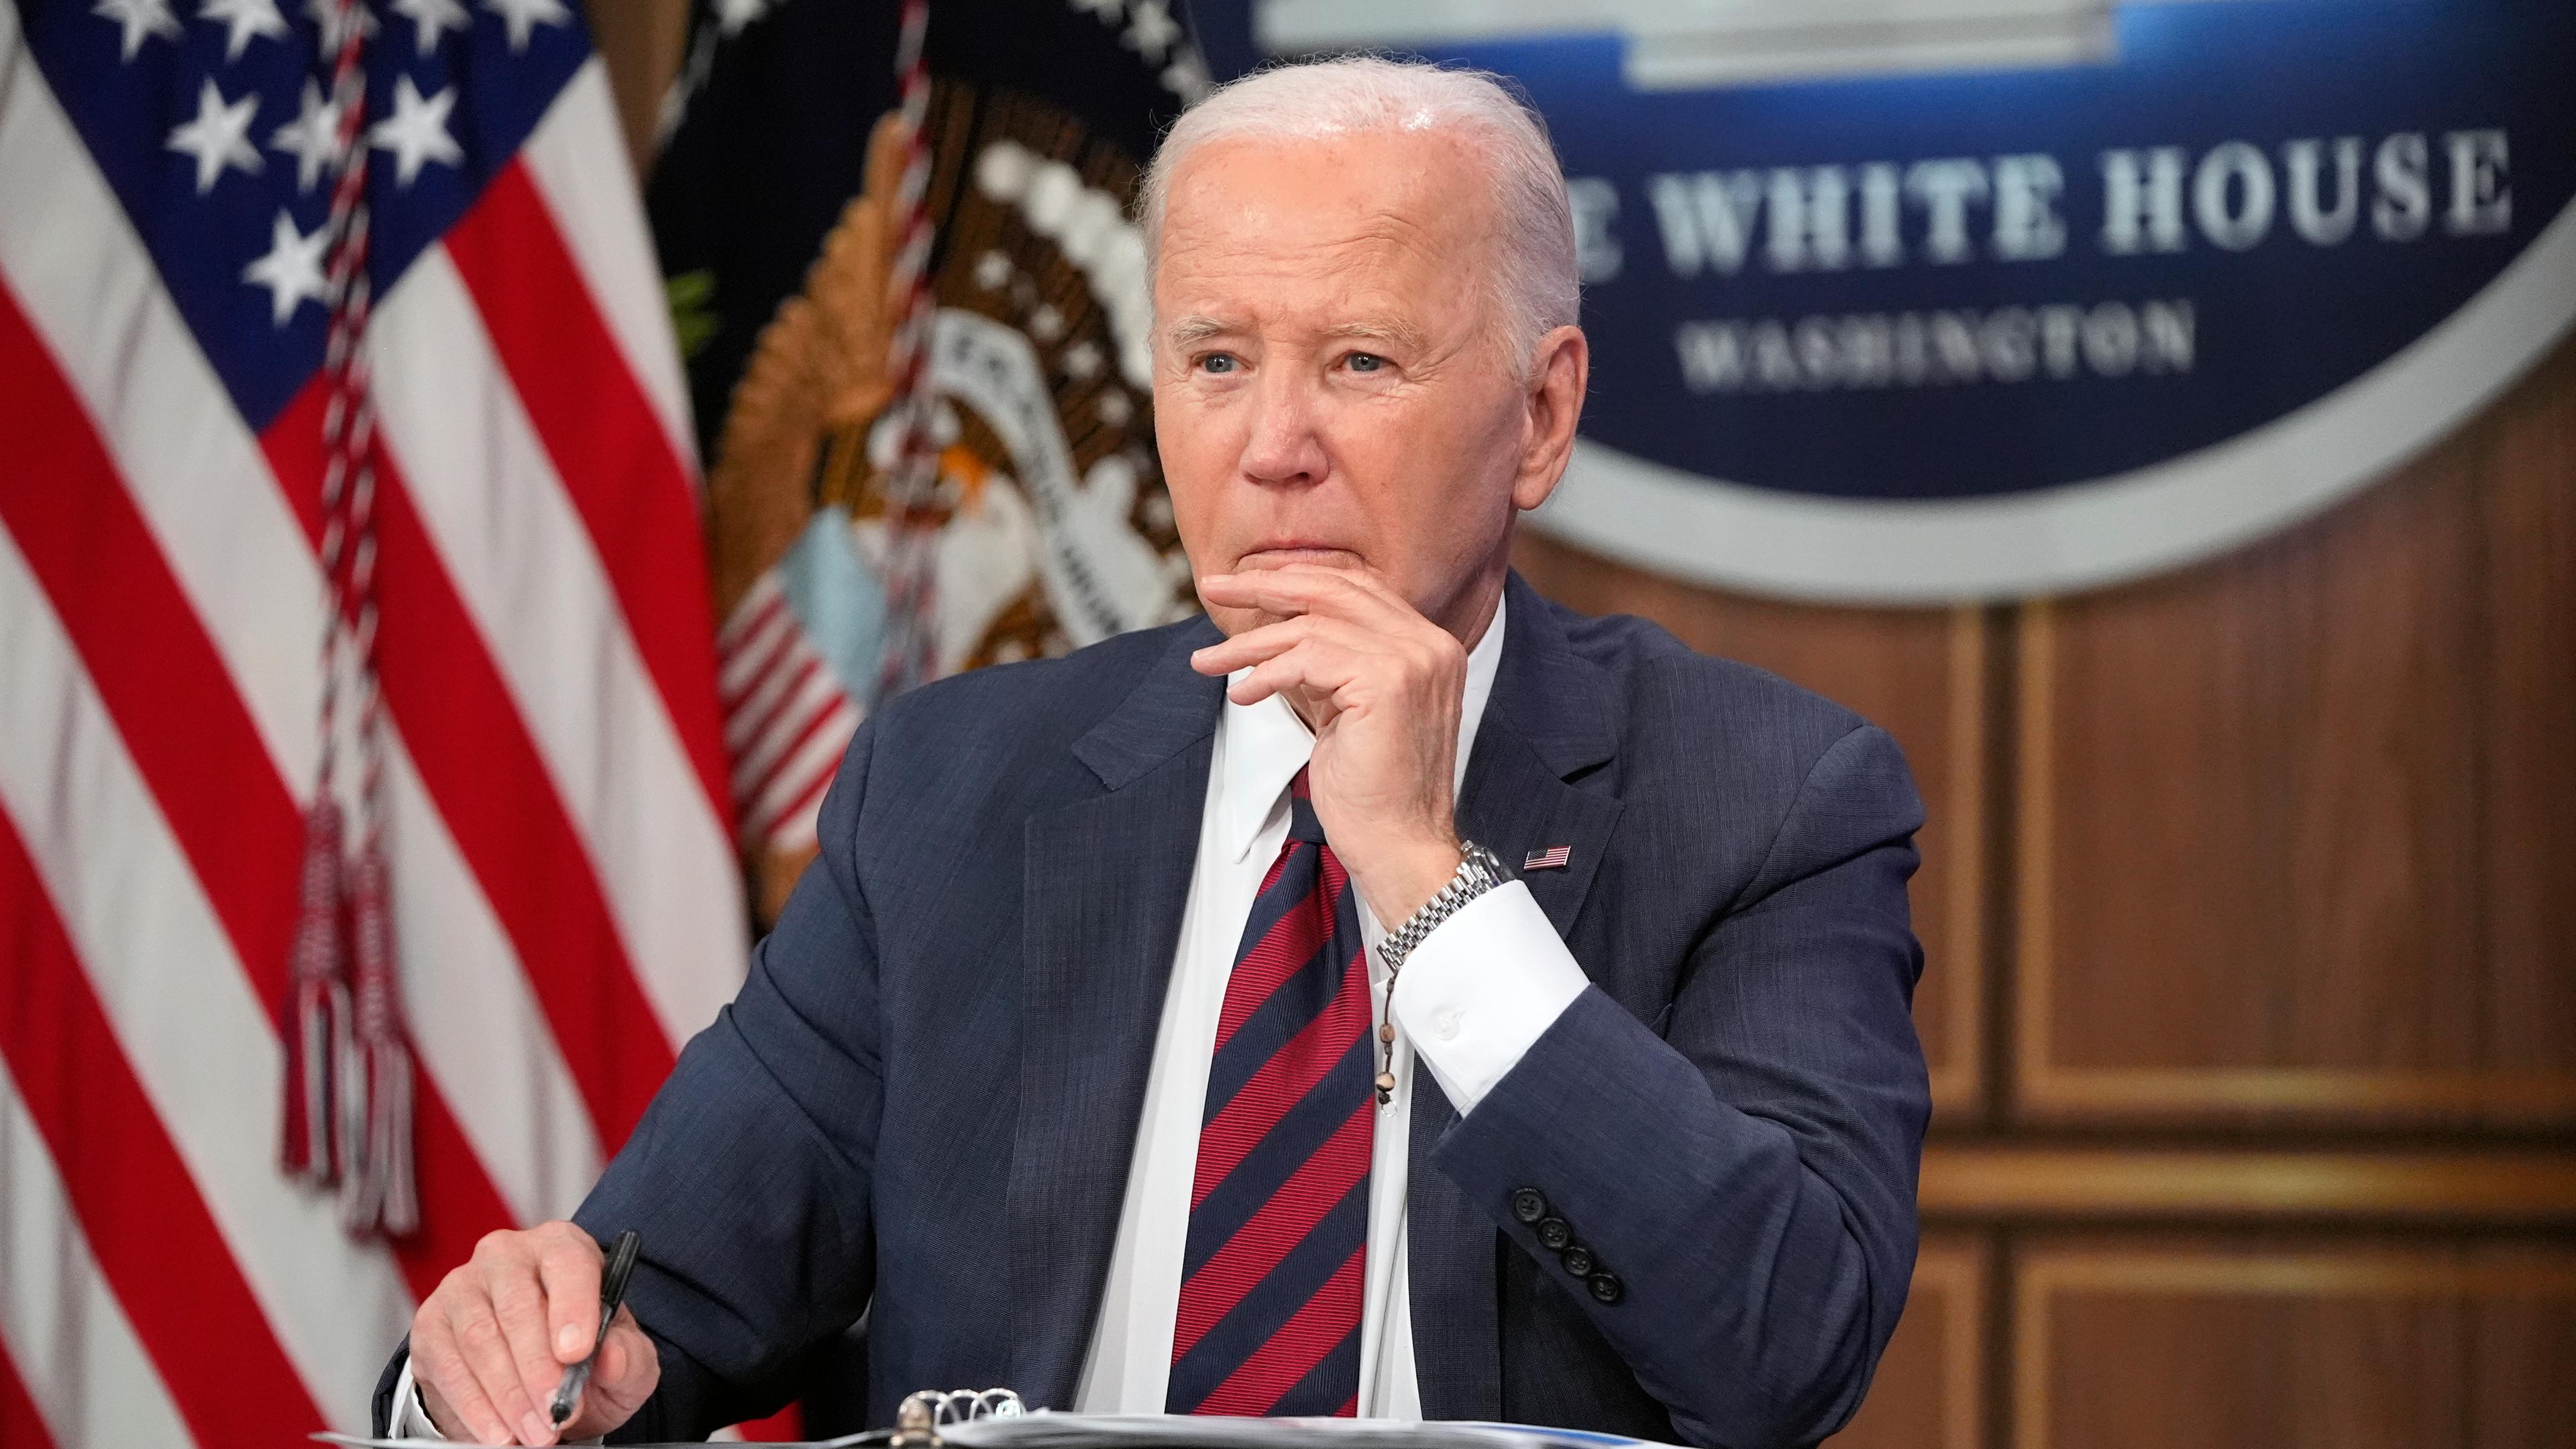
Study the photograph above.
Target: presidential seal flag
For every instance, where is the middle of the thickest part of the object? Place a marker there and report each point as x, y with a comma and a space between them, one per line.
365, 821
791, 202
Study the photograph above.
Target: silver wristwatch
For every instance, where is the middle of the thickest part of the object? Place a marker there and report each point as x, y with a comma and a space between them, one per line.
1478, 873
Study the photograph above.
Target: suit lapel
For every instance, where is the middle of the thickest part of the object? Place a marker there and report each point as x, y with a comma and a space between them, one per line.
1516, 805
1548, 723
1106, 882
1545, 724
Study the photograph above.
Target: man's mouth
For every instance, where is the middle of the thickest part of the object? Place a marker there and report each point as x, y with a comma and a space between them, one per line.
1277, 553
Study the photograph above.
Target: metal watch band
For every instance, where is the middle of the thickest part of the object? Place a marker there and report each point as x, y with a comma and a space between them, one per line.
1478, 872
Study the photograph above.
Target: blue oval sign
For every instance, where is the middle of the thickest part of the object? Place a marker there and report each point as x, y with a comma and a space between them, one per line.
1974, 298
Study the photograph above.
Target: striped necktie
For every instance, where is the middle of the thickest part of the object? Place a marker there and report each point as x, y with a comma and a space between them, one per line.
1269, 1318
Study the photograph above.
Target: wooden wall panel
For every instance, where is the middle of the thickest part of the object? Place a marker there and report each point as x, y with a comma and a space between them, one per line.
1930, 1389
2150, 1345
2008, 1180
2522, 1371
2296, 826
1920, 674
2527, 857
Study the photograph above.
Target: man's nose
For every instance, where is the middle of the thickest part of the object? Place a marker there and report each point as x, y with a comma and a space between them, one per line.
1284, 446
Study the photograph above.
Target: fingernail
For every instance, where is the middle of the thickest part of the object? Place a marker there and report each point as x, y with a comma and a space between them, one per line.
567, 1339
535, 1430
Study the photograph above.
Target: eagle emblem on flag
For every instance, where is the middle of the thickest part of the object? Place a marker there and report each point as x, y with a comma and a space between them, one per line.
1048, 526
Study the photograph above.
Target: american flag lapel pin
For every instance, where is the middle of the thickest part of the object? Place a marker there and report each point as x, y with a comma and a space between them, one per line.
1552, 858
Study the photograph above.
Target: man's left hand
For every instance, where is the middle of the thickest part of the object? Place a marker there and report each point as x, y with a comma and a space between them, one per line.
1380, 685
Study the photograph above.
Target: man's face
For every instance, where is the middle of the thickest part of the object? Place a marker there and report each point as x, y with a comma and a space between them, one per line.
1329, 382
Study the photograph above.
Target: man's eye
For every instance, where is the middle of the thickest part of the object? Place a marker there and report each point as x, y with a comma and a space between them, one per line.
1218, 362
1366, 362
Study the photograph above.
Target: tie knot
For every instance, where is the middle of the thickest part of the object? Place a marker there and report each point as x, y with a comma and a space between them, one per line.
1302, 824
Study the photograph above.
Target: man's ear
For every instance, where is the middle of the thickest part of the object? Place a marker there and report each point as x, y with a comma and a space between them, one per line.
1562, 369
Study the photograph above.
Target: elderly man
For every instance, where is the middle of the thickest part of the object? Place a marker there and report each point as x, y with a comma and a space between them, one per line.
1392, 994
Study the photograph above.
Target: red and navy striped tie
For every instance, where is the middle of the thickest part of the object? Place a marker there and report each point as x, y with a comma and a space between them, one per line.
1271, 1279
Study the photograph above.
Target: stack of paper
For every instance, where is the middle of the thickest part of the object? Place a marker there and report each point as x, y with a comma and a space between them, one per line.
1162, 1431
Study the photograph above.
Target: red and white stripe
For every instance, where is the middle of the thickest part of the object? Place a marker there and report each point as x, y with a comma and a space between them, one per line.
566, 894
787, 715
69, 1356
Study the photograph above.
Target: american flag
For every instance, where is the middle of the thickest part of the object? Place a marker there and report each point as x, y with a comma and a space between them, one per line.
555, 801
1552, 858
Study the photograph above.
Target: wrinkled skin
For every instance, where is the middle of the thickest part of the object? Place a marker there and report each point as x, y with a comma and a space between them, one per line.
1349, 433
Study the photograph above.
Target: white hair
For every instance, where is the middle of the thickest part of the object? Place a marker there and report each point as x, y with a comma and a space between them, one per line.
1533, 283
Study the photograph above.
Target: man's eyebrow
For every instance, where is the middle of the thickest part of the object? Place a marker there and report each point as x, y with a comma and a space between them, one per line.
1380, 329
1191, 330
1395, 332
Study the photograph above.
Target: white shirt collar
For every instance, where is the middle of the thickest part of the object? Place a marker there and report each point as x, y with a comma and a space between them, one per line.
1266, 744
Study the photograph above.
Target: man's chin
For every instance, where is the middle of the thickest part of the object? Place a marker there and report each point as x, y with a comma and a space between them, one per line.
1233, 621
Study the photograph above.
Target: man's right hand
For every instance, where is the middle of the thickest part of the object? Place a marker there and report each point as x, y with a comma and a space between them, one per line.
491, 1344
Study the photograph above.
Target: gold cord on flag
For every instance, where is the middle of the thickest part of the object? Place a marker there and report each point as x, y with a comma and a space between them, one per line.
348, 1091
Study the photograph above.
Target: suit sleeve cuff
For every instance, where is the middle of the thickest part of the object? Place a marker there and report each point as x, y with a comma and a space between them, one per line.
1481, 989
410, 1417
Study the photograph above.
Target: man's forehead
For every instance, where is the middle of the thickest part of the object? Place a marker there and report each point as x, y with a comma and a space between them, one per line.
1359, 238
1356, 191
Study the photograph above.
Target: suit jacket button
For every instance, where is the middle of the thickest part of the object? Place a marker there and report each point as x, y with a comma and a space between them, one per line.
1577, 1260
1528, 1205
1555, 1232
1606, 1288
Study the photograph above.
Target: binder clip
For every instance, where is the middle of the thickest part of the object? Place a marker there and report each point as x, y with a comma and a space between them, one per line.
920, 1417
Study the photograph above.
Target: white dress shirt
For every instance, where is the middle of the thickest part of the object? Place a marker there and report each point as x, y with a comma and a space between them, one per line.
1472, 998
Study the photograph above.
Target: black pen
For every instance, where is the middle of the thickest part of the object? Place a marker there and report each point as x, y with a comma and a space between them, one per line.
612, 1292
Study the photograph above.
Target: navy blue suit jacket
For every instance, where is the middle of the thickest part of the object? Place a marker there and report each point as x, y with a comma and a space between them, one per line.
923, 1102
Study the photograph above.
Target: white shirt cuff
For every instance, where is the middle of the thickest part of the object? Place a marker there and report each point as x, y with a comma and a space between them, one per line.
409, 1419
1479, 991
